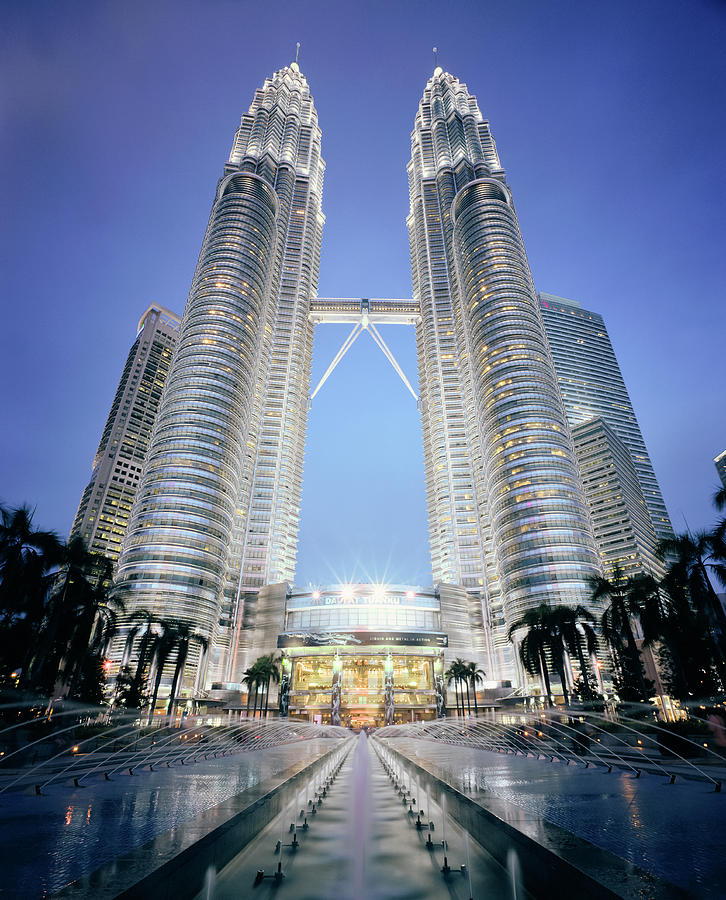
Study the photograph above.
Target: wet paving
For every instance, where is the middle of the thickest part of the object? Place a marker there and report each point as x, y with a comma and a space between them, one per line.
51, 840
674, 831
362, 844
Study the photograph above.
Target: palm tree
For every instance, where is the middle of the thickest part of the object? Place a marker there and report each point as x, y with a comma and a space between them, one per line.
184, 637
659, 613
268, 670
692, 558
575, 623
683, 614
64, 638
20, 544
474, 676
463, 675
624, 595
544, 636
457, 673
695, 556
252, 680
533, 653
27, 557
669, 616
166, 641
451, 674
91, 624
274, 676
130, 687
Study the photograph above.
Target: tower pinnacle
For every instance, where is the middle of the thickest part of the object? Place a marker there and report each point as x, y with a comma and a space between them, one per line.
437, 68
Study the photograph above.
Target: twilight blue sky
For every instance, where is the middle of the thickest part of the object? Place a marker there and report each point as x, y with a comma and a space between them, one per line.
115, 121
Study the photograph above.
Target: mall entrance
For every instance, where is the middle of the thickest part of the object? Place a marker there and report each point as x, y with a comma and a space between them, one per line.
362, 677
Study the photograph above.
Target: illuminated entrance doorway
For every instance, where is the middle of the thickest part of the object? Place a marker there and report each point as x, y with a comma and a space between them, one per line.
372, 686
363, 693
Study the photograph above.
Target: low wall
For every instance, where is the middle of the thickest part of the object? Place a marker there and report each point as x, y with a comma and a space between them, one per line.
553, 862
173, 866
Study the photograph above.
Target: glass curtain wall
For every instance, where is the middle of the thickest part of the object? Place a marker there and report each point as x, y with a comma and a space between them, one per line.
506, 508
204, 503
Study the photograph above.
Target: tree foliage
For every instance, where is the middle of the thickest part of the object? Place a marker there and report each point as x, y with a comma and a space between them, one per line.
466, 676
56, 619
550, 633
680, 616
257, 679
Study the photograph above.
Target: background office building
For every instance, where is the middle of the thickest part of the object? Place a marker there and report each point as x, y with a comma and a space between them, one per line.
592, 386
623, 529
103, 512
720, 463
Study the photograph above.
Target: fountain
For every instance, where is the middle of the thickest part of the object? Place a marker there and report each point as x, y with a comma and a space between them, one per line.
346, 815
515, 877
360, 818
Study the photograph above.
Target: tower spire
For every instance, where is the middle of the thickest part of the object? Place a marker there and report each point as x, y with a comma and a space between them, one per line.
297, 52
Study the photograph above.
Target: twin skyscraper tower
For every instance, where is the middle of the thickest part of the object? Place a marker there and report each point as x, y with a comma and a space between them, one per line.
216, 515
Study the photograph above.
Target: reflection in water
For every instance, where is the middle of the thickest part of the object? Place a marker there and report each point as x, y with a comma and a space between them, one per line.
631, 795
210, 878
671, 830
468, 863
50, 841
364, 845
360, 820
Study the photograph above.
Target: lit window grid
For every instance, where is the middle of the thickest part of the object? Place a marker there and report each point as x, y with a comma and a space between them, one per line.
592, 385
623, 528
105, 505
192, 475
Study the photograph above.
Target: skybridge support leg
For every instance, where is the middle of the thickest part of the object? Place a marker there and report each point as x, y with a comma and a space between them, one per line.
347, 344
391, 358
364, 324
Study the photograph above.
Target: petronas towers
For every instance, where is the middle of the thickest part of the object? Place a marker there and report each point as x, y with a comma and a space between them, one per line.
507, 515
217, 511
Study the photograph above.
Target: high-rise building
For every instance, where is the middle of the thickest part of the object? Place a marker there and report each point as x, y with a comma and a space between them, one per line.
507, 515
621, 522
220, 495
213, 532
592, 386
103, 512
720, 463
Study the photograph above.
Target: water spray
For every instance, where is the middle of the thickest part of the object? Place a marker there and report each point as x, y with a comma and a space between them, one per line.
468, 864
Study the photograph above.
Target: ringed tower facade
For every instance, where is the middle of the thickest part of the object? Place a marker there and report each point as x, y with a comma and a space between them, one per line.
507, 512
217, 506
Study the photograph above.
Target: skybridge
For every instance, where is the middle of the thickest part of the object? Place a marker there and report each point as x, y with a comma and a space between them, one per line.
364, 314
